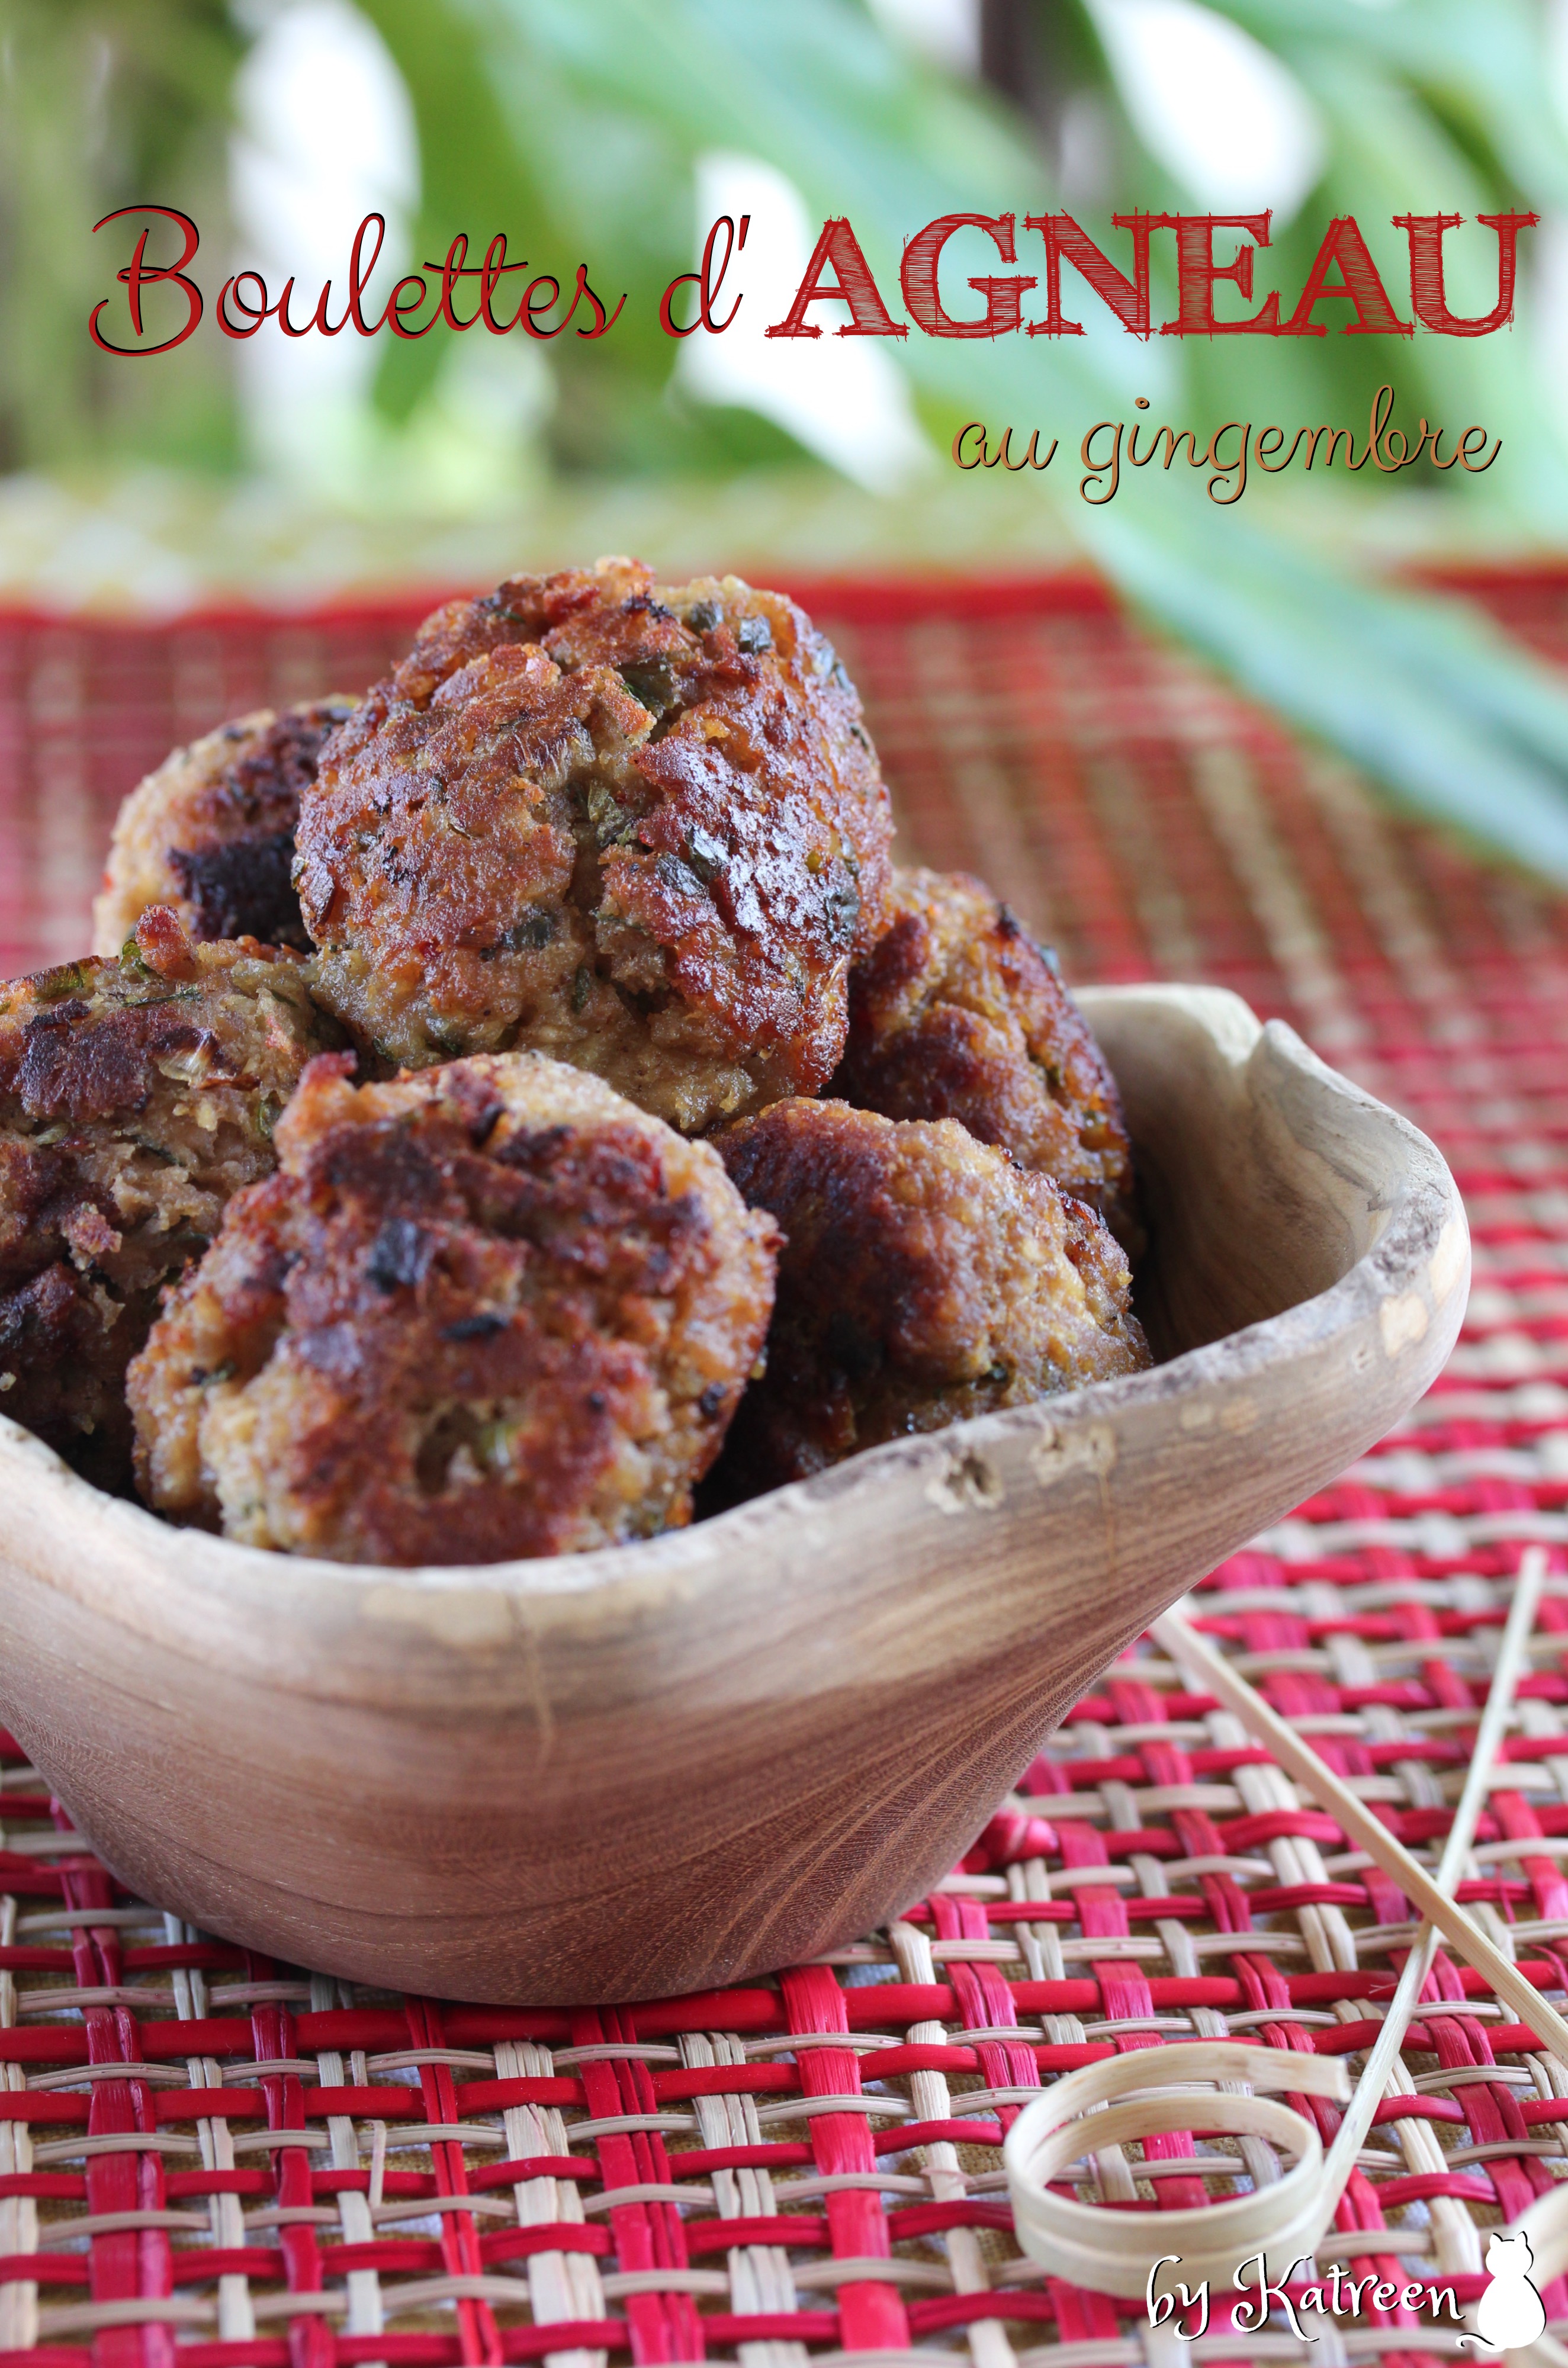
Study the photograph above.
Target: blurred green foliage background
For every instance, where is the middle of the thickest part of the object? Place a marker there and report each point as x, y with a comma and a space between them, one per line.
589, 130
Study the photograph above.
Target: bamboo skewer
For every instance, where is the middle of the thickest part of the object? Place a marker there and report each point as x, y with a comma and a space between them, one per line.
1198, 1658
1396, 2020
1132, 2097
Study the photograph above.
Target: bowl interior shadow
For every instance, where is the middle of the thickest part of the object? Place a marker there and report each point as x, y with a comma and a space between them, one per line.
1242, 1223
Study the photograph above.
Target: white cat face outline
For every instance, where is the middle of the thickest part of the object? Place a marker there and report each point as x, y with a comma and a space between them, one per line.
1509, 2255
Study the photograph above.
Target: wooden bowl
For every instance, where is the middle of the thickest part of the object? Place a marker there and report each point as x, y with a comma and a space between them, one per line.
678, 1763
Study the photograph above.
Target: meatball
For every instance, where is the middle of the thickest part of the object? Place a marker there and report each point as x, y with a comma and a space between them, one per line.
957, 1013
639, 828
925, 1278
212, 832
484, 1311
135, 1096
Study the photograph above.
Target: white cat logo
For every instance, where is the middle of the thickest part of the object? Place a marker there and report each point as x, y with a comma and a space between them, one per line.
1511, 2313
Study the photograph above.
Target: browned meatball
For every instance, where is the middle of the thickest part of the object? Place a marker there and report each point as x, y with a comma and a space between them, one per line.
957, 1013
640, 829
135, 1096
925, 1278
490, 1310
212, 832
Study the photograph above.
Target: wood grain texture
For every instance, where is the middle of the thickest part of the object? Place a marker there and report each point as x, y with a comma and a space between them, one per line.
680, 1763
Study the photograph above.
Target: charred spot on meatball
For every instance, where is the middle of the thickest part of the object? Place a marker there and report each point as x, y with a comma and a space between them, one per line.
957, 1013
925, 1278
135, 1096
638, 827
212, 832
484, 1311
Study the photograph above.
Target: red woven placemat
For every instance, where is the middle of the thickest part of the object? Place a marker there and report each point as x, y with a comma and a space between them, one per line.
809, 2168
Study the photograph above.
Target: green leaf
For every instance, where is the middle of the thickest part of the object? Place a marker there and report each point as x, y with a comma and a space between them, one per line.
575, 125
1456, 726
1487, 64
1463, 727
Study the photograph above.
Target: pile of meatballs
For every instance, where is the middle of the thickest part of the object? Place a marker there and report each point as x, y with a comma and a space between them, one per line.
512, 1110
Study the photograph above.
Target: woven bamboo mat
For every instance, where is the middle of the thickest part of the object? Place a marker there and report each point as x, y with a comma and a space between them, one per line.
207, 2156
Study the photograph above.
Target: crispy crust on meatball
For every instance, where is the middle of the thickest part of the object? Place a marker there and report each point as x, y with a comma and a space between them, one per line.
485, 1310
957, 1013
135, 1096
638, 827
925, 1278
212, 832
